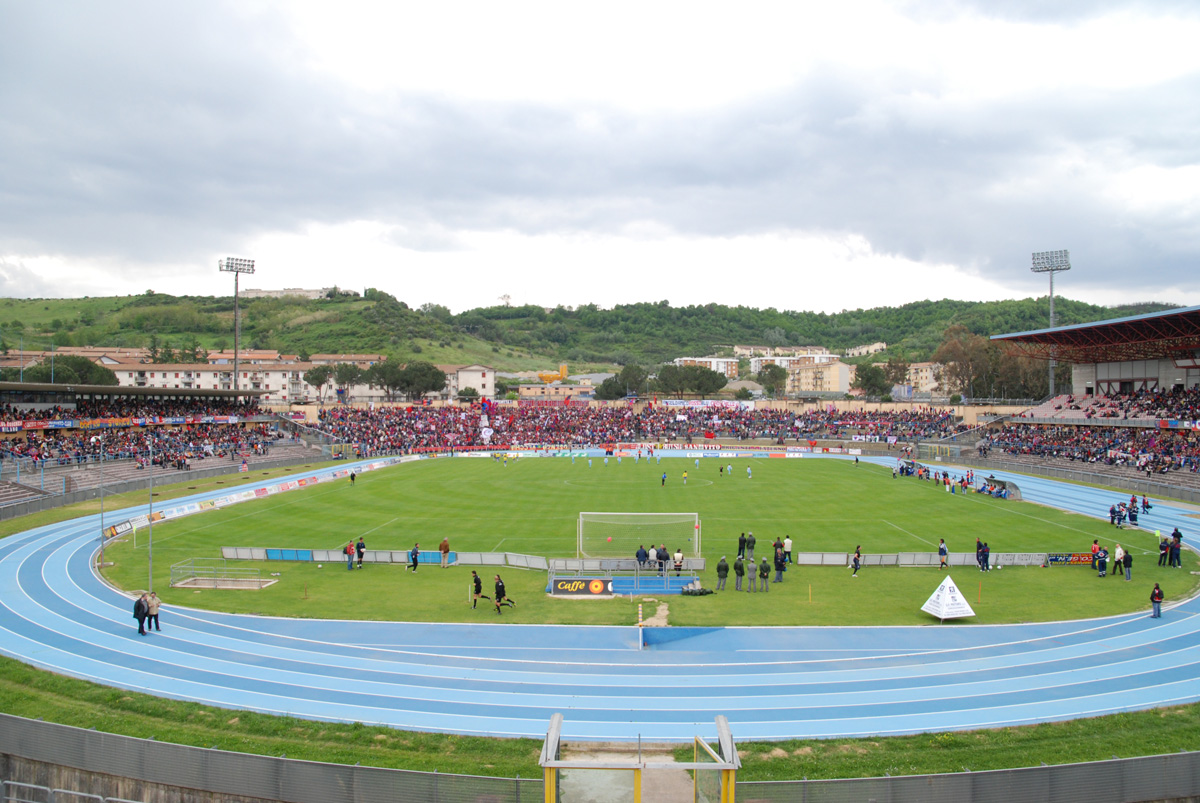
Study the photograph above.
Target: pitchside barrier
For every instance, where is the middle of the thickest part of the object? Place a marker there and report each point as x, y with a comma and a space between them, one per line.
618, 566
633, 577
431, 557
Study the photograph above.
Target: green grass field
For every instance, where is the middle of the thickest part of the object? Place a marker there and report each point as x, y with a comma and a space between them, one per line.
531, 506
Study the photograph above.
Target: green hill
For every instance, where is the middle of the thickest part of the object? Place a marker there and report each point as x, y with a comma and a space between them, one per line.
510, 338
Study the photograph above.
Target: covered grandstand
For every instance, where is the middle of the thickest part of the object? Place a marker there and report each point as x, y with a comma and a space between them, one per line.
1155, 351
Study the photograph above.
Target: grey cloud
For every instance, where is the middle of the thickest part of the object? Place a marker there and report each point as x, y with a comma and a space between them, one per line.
164, 136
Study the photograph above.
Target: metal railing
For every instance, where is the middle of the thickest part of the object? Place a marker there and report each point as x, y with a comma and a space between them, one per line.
18, 792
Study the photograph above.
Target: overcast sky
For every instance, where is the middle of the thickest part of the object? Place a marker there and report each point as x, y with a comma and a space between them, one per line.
804, 156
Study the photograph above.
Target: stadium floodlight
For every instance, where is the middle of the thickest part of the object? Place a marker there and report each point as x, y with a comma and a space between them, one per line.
236, 266
1051, 262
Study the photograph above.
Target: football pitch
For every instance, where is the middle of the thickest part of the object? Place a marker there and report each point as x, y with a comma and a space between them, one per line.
531, 506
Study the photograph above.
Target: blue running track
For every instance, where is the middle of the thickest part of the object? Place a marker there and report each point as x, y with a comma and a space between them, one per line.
506, 680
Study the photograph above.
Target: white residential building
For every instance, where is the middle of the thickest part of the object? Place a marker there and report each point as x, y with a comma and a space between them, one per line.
284, 382
722, 365
789, 363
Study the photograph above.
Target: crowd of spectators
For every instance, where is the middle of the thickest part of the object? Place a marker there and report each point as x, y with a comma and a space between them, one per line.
391, 429
1145, 405
174, 446
131, 408
1148, 449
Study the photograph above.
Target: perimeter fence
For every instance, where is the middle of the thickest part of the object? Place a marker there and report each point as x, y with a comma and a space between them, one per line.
1172, 777
98, 765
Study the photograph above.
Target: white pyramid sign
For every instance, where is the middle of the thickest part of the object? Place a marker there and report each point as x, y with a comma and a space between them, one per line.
948, 602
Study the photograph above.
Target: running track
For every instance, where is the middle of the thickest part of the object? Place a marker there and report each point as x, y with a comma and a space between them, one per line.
506, 680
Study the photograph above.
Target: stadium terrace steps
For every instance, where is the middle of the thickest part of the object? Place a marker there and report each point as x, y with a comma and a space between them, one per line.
507, 680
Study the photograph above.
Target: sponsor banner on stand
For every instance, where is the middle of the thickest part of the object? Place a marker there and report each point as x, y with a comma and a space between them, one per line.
1070, 558
581, 586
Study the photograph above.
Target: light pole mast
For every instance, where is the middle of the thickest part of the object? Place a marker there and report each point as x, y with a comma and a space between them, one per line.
1051, 262
236, 266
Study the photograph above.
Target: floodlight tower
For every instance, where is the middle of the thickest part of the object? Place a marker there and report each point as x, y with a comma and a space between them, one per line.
1051, 262
238, 266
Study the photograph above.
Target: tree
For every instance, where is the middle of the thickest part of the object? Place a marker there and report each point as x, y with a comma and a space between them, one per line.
70, 370
468, 393
346, 374
419, 378
872, 381
194, 352
388, 375
896, 370
610, 389
670, 380
966, 358
318, 377
744, 394
773, 378
704, 381
633, 378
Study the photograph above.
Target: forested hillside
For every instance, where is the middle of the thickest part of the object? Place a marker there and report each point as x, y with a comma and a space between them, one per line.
509, 338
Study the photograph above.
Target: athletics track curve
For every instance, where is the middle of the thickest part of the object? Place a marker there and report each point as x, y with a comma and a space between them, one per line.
507, 680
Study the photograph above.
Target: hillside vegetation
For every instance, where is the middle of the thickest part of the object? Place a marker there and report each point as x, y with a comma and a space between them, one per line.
511, 338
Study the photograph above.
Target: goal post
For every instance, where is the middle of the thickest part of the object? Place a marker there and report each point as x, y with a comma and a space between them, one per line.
618, 535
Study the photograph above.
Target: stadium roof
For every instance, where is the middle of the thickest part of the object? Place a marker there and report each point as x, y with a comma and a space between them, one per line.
117, 390
1171, 334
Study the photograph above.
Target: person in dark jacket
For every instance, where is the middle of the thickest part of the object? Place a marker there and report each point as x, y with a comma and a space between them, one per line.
141, 609
414, 553
1127, 561
477, 589
642, 556
1156, 598
750, 541
722, 573
739, 571
1102, 562
741, 545
780, 565
764, 574
501, 595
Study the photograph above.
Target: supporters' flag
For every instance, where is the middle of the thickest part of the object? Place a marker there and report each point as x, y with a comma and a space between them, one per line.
709, 435
812, 443
243, 468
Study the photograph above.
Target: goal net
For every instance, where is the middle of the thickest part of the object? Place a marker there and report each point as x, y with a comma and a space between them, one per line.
618, 535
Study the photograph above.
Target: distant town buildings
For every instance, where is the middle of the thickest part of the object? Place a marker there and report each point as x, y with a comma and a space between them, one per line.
320, 292
722, 365
824, 377
870, 348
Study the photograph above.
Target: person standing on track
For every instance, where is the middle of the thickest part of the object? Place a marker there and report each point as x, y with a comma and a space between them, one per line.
1156, 598
152, 603
140, 610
